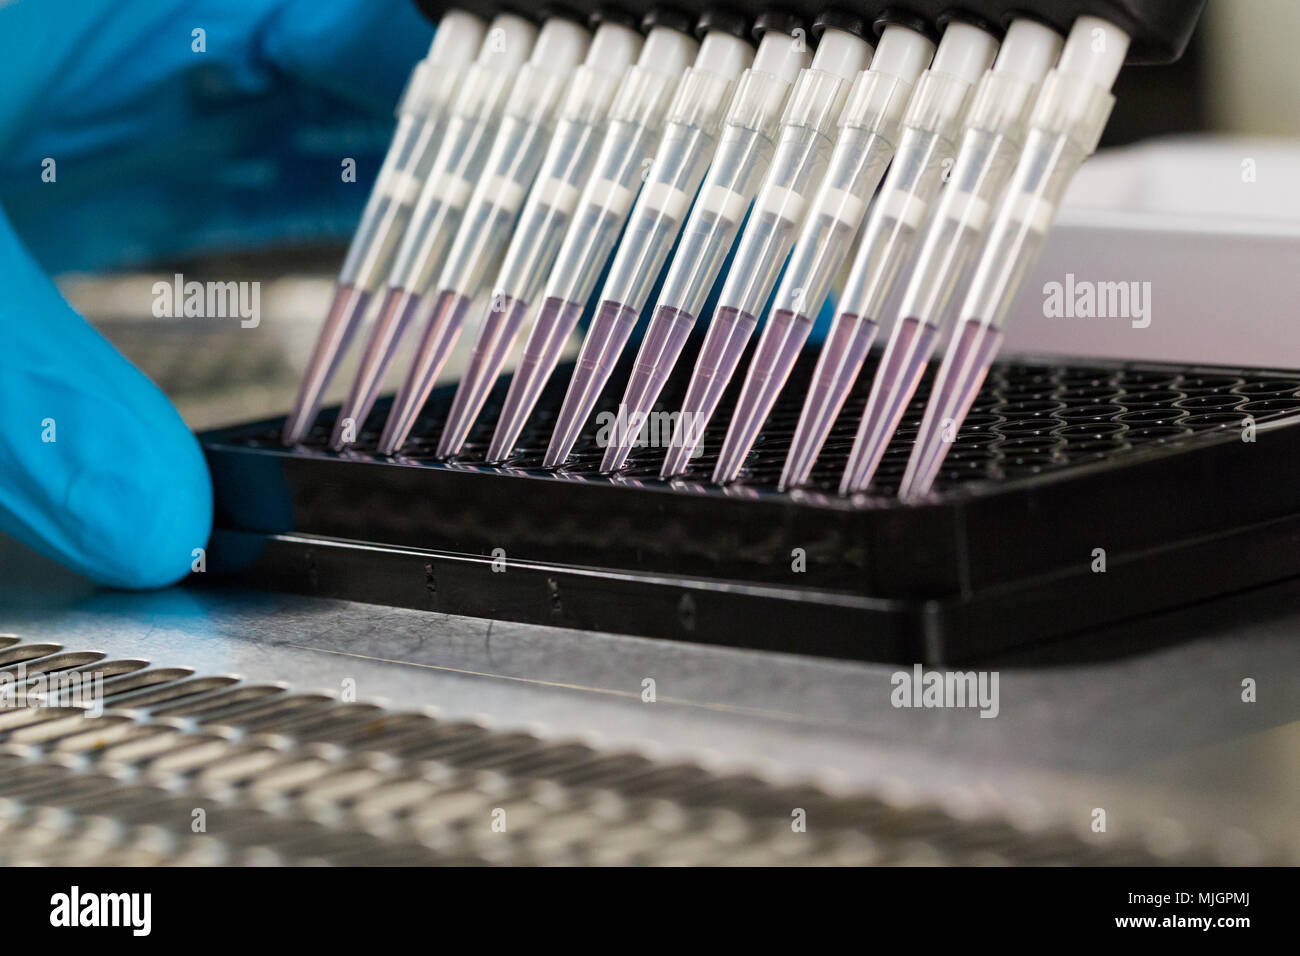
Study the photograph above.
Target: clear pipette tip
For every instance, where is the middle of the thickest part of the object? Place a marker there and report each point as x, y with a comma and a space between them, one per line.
841, 358
495, 339
970, 355
724, 345
778, 349
395, 315
448, 308
345, 315
900, 371
609, 332
555, 322
663, 342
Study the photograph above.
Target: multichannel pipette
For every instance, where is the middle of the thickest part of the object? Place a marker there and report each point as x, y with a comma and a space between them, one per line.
421, 121
636, 122
568, 162
994, 133
925, 150
869, 128
1066, 122
739, 164
524, 129
801, 156
690, 135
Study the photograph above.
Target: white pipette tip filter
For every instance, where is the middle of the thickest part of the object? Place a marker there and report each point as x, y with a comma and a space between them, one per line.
458, 37
902, 52
781, 55
842, 53
724, 54
561, 45
1095, 51
965, 51
614, 47
508, 42
1029, 50
667, 51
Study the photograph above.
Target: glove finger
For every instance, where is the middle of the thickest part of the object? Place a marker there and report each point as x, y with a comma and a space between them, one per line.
97, 469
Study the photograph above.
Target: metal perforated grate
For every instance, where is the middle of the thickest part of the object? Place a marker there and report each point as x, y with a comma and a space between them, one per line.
1028, 419
279, 776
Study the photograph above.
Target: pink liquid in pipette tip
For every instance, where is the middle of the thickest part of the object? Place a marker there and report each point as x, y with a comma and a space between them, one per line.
441, 328
838, 365
341, 324
778, 349
608, 334
972, 350
897, 377
495, 340
663, 343
555, 323
399, 308
724, 345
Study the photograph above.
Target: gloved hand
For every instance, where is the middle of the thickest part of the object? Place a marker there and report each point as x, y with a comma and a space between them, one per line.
158, 147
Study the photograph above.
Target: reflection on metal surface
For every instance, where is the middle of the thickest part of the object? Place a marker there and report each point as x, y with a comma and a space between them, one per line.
277, 776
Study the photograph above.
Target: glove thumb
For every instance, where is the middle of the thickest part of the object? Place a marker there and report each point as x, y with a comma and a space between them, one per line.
97, 469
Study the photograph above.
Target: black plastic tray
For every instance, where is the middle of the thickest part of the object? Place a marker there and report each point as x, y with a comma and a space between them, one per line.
1059, 467
1159, 28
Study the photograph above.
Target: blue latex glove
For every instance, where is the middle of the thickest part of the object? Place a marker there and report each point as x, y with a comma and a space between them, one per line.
159, 149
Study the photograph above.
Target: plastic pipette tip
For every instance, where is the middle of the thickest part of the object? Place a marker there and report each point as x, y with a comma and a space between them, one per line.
345, 314
609, 332
778, 350
496, 338
448, 311
838, 365
555, 321
398, 308
722, 350
661, 346
901, 367
970, 355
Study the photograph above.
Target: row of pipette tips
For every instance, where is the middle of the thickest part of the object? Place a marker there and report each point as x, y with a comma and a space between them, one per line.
801, 146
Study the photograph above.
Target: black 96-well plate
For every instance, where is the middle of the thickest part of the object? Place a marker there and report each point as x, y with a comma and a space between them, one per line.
1077, 495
